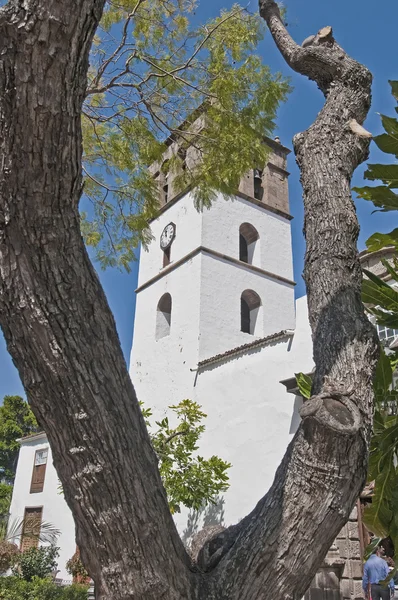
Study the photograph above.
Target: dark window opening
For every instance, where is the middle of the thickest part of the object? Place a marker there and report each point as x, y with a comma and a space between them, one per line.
258, 184
243, 249
248, 250
166, 193
166, 256
250, 304
244, 316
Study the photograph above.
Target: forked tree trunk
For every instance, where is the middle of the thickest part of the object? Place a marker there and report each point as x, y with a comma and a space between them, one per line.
62, 337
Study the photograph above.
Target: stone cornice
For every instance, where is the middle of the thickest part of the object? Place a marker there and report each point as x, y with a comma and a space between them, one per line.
263, 205
217, 255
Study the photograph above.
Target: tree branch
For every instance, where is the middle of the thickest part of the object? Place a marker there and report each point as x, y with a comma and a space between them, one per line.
290, 51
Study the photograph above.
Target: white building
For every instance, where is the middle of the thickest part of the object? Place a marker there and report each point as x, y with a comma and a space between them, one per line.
216, 322
37, 498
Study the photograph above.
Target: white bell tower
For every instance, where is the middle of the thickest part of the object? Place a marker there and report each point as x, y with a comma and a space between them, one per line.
214, 314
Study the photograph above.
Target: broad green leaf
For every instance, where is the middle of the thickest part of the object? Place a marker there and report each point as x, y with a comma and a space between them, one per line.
383, 376
377, 519
373, 294
390, 269
388, 439
385, 318
387, 143
386, 581
377, 241
375, 291
386, 173
378, 421
394, 88
304, 383
381, 196
390, 124
381, 516
370, 547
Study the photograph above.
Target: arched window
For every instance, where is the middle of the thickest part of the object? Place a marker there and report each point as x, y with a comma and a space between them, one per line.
248, 236
163, 316
250, 305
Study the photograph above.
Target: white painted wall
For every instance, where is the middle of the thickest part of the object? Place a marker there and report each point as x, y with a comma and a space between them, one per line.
188, 222
218, 229
222, 284
55, 509
220, 232
251, 418
160, 369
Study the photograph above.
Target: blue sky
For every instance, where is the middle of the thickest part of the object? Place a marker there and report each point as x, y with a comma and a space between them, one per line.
367, 34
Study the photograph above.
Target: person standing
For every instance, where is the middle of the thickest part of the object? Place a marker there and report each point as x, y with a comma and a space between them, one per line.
376, 570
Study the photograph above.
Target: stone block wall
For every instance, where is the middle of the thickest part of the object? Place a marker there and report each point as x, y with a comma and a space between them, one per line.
340, 577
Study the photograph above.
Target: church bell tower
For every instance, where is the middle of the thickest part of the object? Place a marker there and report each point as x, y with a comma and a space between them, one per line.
214, 286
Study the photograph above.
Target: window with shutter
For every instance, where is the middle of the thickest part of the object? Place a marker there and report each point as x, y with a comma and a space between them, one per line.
39, 471
31, 528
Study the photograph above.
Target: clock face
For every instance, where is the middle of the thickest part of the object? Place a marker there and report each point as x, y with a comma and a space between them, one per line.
167, 236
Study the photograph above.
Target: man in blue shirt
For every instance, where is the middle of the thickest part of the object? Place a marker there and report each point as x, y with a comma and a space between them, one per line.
376, 570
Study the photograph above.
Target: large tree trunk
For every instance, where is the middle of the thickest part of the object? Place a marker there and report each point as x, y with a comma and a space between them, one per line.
55, 317
63, 340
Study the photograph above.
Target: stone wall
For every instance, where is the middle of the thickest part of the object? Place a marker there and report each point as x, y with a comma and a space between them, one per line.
340, 577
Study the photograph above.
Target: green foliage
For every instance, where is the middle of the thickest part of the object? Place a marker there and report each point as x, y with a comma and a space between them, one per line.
383, 196
189, 479
304, 383
36, 562
5, 499
10, 530
381, 515
14, 588
75, 567
380, 298
8, 555
151, 67
16, 421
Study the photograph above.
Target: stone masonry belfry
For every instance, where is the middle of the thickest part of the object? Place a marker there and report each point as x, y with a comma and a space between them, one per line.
268, 185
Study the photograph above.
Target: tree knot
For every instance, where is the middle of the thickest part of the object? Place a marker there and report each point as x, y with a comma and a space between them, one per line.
209, 545
334, 409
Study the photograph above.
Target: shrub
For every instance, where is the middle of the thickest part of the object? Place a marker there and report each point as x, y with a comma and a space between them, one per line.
36, 562
75, 567
8, 555
14, 588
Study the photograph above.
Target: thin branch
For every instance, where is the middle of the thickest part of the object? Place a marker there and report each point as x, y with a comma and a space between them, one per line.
163, 72
102, 70
174, 435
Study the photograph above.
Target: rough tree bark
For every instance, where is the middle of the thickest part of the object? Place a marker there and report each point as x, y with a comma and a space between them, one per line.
62, 337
